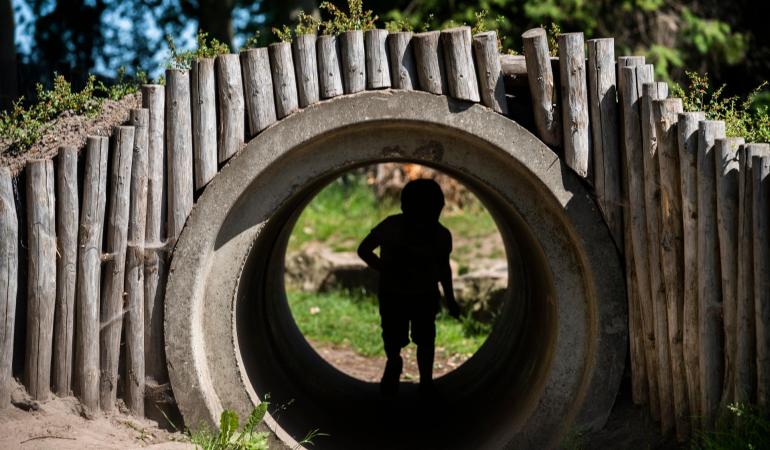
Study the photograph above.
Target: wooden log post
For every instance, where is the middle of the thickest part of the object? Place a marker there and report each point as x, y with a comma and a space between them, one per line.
353, 61
490, 73
9, 266
631, 89
458, 60
306, 67
761, 219
115, 239
403, 70
329, 66
377, 65
687, 137
709, 279
179, 154
666, 115
153, 98
429, 62
727, 166
574, 94
230, 121
602, 93
284, 83
541, 85
746, 347
137, 222
258, 89
89, 276
41, 279
66, 268
650, 93
204, 121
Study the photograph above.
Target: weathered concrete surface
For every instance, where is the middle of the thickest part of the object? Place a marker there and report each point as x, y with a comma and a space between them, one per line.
552, 365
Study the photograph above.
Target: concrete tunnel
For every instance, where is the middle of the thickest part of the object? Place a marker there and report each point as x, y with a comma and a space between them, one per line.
552, 363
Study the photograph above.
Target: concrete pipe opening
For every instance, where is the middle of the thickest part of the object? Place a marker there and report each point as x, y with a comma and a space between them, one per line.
552, 362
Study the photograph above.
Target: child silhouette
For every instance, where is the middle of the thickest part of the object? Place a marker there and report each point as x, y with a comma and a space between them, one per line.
414, 259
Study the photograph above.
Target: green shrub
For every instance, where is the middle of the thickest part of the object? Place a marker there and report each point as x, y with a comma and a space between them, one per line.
743, 427
205, 49
283, 34
355, 19
228, 437
124, 85
306, 24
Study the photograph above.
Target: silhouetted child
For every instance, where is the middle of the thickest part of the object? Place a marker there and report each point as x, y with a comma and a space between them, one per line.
414, 259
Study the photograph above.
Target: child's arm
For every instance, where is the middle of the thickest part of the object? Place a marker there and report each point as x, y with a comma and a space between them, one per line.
366, 251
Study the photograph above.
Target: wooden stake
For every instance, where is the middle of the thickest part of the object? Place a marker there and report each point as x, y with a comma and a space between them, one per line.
541, 85
429, 61
306, 67
258, 89
204, 121
66, 268
491, 83
179, 150
458, 60
377, 66
230, 121
9, 266
284, 83
403, 70
574, 94
761, 215
353, 61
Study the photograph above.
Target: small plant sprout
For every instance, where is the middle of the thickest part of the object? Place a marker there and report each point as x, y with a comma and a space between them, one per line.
355, 19
307, 24
253, 41
480, 24
206, 49
398, 25
283, 34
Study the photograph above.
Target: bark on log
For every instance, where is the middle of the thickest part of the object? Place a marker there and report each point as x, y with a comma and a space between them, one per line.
574, 94
329, 66
353, 61
726, 154
377, 66
666, 114
230, 121
761, 215
746, 345
490, 73
541, 85
66, 267
429, 61
284, 83
403, 71
258, 89
116, 231
602, 93
41, 280
179, 151
204, 121
9, 262
89, 276
306, 67
458, 60
137, 222
709, 279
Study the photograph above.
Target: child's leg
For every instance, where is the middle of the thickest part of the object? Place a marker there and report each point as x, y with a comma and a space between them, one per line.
425, 355
395, 335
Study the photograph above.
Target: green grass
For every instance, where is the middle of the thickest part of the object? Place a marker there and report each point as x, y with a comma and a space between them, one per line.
353, 320
741, 427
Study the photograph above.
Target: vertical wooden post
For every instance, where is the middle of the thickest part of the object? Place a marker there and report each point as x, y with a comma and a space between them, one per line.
137, 221
726, 154
329, 66
651, 92
66, 267
761, 215
284, 83
574, 94
403, 71
258, 89
671, 249
541, 85
304, 48
204, 121
90, 273
353, 61
602, 91
115, 240
633, 78
709, 280
179, 161
376, 51
230, 121
41, 281
9, 262
491, 83
458, 59
746, 345
429, 59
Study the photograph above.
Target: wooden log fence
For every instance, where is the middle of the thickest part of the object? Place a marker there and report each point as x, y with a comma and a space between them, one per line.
541, 85
376, 55
9, 266
329, 66
306, 67
761, 218
403, 71
574, 94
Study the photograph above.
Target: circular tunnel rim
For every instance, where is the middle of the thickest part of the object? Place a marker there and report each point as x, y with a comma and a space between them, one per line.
593, 246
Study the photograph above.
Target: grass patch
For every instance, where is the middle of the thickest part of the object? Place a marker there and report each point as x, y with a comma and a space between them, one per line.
742, 427
352, 320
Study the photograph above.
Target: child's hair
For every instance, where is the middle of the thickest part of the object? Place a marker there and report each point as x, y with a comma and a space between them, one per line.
422, 197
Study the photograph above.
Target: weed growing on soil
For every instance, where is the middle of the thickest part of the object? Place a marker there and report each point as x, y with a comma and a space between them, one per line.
207, 48
124, 85
742, 427
228, 437
355, 19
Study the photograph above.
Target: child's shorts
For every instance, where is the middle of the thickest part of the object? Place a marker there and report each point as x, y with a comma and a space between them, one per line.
399, 313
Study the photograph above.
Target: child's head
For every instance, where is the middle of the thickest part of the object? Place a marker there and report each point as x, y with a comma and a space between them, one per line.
422, 200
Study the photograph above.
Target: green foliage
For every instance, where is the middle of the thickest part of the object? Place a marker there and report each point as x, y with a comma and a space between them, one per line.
253, 41
553, 32
743, 117
743, 427
355, 19
307, 24
124, 85
713, 37
24, 126
284, 34
228, 437
480, 24
398, 25
205, 49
